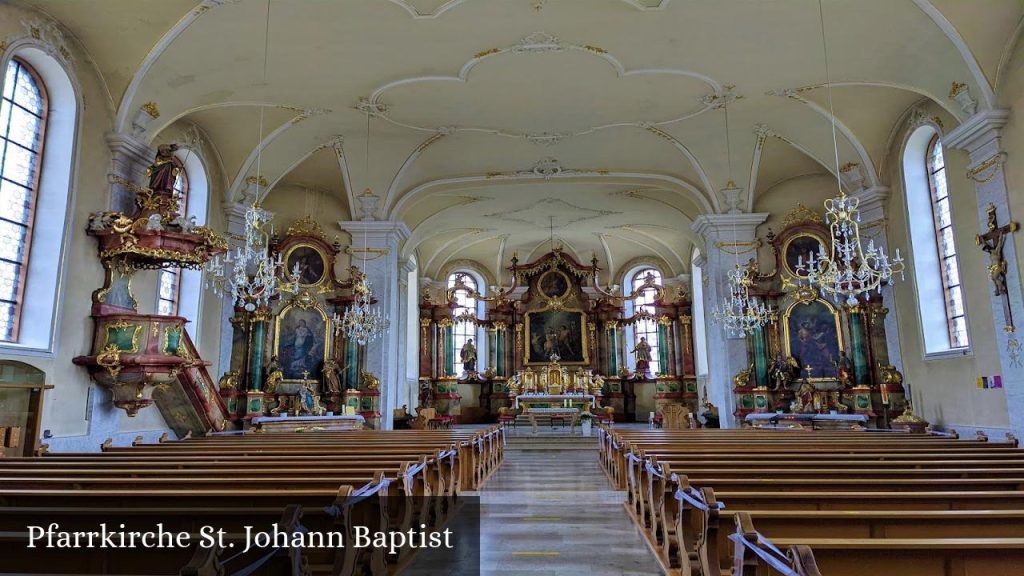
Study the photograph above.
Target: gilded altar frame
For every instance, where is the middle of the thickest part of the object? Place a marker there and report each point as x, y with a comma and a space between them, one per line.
805, 297
326, 263
325, 332
584, 335
796, 236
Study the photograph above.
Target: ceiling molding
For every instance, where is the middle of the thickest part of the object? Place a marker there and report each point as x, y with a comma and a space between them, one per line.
416, 153
243, 171
156, 129
414, 12
634, 228
533, 44
467, 233
851, 138
123, 110
337, 140
988, 97
761, 133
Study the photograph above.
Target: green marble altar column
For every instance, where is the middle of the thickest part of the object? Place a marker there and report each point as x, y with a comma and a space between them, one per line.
858, 347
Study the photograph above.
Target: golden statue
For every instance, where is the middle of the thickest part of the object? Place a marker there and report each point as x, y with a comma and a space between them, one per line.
369, 381
332, 377
229, 381
274, 376
742, 378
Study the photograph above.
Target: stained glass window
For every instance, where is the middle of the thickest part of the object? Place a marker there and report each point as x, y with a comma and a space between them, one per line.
464, 327
646, 327
948, 267
22, 122
169, 280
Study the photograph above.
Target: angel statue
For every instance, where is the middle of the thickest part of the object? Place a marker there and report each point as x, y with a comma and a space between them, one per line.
229, 381
274, 375
369, 381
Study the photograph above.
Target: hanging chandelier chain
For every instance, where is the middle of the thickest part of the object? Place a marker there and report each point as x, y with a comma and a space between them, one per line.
828, 91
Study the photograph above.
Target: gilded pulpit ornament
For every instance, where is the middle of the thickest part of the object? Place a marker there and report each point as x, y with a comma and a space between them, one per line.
992, 243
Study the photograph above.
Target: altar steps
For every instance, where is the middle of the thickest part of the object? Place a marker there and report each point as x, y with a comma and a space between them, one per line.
546, 439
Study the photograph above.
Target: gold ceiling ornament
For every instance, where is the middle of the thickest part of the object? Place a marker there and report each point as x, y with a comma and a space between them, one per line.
801, 214
956, 88
256, 180
306, 226
151, 109
848, 167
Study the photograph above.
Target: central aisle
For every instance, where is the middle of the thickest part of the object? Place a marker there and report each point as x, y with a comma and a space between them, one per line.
553, 512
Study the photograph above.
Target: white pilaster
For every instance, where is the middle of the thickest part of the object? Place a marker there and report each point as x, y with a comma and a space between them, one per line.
723, 235
405, 341
873, 225
234, 218
980, 136
375, 250
129, 158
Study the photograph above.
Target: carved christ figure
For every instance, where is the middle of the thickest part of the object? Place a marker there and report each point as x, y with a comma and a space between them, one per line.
992, 243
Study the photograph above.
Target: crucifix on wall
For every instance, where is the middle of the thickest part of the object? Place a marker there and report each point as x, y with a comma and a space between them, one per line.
992, 242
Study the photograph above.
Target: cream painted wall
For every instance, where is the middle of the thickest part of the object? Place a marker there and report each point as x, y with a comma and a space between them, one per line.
944, 389
1010, 93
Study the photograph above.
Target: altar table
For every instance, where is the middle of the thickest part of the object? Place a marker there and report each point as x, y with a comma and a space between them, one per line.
572, 413
554, 399
812, 421
307, 423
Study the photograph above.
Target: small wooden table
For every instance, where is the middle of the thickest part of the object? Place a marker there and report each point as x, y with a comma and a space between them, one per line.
572, 413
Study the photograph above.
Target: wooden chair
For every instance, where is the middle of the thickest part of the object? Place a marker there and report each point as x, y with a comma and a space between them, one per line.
507, 416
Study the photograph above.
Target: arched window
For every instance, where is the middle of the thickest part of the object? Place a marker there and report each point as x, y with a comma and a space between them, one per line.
22, 125
956, 317
466, 306
646, 327
935, 265
169, 279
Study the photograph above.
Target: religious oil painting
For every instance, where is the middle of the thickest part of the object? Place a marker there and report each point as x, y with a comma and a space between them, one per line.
556, 332
813, 337
301, 342
800, 246
310, 263
554, 284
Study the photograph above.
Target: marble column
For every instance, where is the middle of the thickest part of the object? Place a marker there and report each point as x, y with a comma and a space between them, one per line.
406, 336
130, 157
980, 136
724, 234
374, 248
234, 219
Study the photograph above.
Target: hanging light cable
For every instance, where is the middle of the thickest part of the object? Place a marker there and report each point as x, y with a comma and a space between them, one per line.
849, 269
738, 312
249, 276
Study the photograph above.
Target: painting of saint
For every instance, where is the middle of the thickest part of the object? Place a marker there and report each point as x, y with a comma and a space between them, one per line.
797, 247
556, 333
813, 338
310, 265
554, 284
300, 342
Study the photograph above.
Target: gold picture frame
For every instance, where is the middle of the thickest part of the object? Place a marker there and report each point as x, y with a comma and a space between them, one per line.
798, 242
817, 338
561, 330
554, 285
288, 322
311, 272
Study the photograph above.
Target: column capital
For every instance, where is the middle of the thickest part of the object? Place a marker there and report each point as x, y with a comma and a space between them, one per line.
120, 142
977, 131
715, 226
377, 231
873, 201
407, 265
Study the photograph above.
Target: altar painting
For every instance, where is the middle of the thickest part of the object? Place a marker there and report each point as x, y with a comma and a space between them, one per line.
301, 342
799, 248
309, 262
813, 337
560, 332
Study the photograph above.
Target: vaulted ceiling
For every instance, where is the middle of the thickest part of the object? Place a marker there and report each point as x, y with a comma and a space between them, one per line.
494, 119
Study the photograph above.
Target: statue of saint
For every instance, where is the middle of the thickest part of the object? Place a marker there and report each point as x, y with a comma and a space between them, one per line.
229, 381
369, 381
783, 370
642, 351
468, 356
332, 376
844, 369
163, 171
274, 375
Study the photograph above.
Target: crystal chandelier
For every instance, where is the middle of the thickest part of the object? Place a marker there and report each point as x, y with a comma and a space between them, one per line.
849, 269
360, 322
739, 312
249, 276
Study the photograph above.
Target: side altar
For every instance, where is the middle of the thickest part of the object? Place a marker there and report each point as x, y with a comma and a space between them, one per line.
814, 356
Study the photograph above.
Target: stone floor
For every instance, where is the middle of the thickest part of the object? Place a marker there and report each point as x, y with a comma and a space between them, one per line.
552, 512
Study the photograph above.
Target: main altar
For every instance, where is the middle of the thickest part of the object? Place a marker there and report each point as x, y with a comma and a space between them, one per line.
555, 339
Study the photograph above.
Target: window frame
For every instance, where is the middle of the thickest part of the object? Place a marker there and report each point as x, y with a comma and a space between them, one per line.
472, 330
636, 279
29, 224
931, 171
